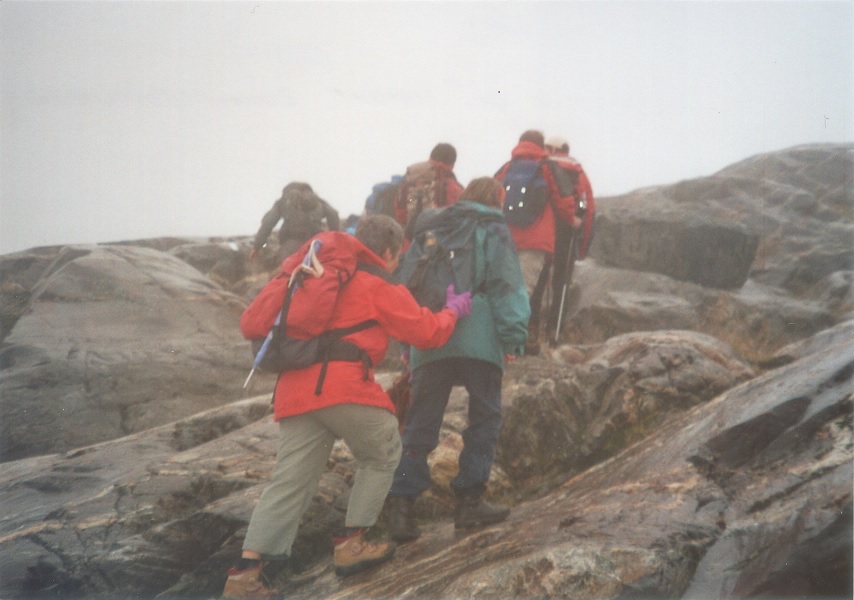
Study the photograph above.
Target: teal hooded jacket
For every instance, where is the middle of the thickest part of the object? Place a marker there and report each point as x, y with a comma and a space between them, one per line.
498, 323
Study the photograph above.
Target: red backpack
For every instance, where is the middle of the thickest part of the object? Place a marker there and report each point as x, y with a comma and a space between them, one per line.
288, 322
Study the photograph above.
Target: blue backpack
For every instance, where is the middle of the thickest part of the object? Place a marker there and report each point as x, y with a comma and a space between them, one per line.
383, 195
526, 191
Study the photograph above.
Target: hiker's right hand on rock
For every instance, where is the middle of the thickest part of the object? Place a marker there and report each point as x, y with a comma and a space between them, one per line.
459, 303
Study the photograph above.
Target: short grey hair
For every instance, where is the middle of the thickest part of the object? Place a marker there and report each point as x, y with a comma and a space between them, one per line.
380, 233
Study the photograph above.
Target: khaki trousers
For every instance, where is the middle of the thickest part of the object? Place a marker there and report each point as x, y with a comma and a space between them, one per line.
305, 442
532, 263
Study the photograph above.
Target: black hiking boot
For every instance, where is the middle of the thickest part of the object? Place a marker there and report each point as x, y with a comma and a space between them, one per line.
473, 511
401, 524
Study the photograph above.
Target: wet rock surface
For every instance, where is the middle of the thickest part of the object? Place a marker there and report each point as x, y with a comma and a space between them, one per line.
690, 436
111, 340
731, 495
783, 218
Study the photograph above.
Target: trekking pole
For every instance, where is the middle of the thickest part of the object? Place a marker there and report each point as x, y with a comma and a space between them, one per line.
251, 373
570, 267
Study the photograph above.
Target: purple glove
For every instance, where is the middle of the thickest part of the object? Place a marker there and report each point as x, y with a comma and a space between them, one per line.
459, 303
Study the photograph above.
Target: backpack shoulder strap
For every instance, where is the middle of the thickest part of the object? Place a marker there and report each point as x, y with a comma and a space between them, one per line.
376, 271
481, 239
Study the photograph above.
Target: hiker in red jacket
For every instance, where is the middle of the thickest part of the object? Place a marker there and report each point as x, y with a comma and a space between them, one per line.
571, 242
351, 406
428, 184
535, 243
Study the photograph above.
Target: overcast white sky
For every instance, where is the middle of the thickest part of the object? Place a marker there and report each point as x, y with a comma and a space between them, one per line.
124, 120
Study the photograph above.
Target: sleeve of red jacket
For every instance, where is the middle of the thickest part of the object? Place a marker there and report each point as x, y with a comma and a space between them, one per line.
586, 188
408, 322
584, 185
453, 191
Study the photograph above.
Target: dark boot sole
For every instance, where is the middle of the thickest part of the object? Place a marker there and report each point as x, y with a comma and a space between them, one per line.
404, 538
362, 566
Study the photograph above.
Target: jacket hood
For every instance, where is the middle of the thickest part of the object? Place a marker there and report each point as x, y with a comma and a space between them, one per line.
529, 150
343, 242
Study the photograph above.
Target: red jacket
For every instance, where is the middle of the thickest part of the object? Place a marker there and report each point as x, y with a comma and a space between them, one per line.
541, 234
584, 190
365, 297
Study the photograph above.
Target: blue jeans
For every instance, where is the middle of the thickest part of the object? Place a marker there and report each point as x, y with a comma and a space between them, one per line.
431, 388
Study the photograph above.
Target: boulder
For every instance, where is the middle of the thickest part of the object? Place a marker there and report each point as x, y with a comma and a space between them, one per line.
114, 340
561, 419
801, 201
18, 275
676, 244
129, 508
783, 218
828, 337
756, 320
224, 262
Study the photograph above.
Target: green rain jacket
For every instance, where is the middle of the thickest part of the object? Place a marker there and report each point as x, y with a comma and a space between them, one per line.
498, 323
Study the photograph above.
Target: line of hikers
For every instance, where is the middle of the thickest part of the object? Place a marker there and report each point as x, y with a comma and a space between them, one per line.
457, 277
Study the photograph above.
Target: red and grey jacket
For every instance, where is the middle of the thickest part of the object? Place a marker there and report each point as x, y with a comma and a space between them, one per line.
541, 234
584, 193
367, 296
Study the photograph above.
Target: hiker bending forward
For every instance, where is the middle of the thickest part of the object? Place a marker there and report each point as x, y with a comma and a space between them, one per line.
303, 214
474, 357
351, 406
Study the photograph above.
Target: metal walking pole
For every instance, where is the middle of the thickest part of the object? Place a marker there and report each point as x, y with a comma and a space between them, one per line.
570, 267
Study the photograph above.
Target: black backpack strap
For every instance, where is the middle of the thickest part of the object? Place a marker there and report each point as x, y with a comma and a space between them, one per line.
334, 348
375, 270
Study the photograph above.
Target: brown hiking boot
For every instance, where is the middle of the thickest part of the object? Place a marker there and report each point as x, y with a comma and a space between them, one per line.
532, 348
354, 553
401, 524
532, 345
252, 583
472, 511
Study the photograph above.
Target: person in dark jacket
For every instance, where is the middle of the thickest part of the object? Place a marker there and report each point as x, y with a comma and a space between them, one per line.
351, 406
536, 243
303, 214
473, 357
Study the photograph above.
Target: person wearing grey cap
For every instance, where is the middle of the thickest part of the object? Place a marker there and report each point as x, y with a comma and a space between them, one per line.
571, 241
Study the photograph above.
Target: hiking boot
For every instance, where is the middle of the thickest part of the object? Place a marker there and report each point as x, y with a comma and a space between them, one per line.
257, 581
401, 524
354, 553
532, 348
473, 511
532, 344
